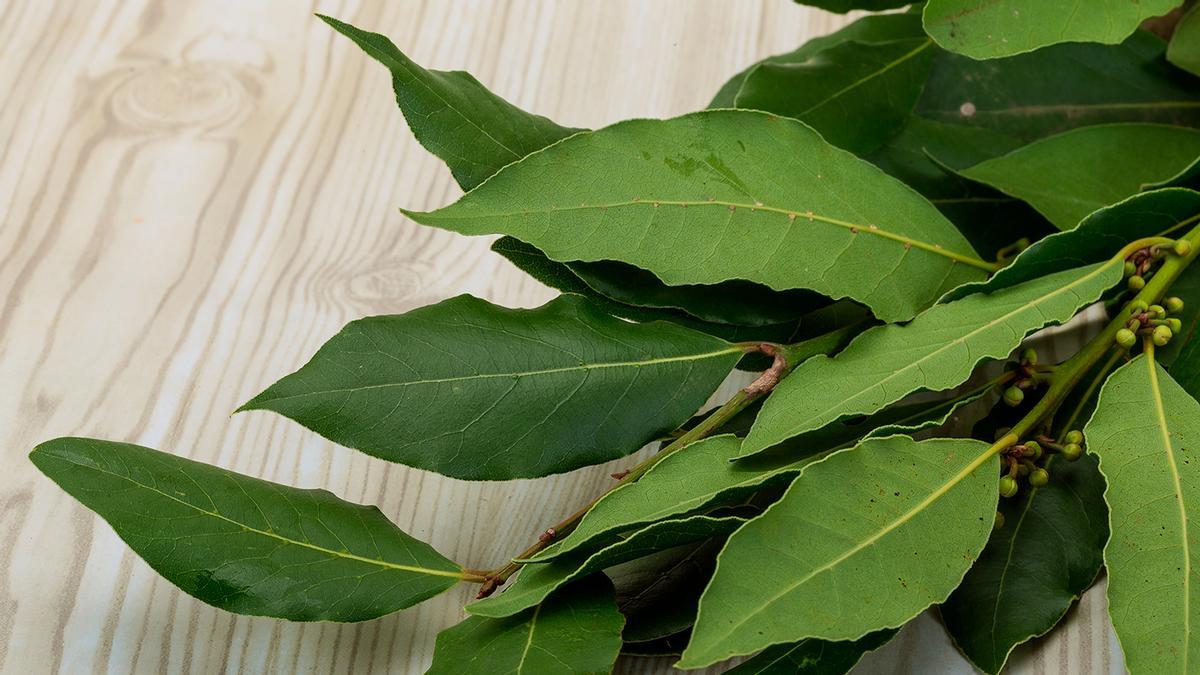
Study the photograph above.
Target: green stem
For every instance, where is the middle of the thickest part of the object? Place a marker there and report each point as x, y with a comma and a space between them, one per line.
787, 357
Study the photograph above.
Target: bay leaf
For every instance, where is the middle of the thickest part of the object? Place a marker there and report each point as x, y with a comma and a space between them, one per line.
812, 657
1184, 48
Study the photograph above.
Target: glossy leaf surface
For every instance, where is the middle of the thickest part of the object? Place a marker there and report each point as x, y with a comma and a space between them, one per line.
480, 392
937, 350
1046, 555
987, 29
895, 534
1146, 432
1058, 88
576, 630
1070, 175
536, 581
247, 545
472, 130
691, 200
856, 94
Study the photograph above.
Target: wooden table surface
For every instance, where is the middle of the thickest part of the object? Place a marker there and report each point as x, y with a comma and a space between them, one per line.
196, 195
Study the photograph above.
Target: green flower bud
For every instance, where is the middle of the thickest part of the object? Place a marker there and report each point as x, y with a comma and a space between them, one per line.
1139, 306
998, 522
1161, 336
1032, 449
1173, 304
1183, 247
1136, 283
1029, 356
1157, 311
1175, 325
1130, 268
1022, 470
1074, 436
1126, 338
1072, 451
1013, 396
1039, 477
1008, 486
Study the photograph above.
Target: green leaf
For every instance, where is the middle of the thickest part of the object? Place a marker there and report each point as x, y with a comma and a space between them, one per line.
1184, 50
1145, 430
937, 350
690, 200
1181, 356
812, 657
843, 6
875, 28
455, 117
1034, 567
986, 29
536, 581
480, 392
1062, 87
864, 540
1067, 176
1161, 213
247, 545
658, 594
576, 630
857, 94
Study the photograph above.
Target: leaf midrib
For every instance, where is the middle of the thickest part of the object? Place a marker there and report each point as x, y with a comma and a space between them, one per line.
491, 376
854, 228
287, 540
925, 44
955, 342
1160, 414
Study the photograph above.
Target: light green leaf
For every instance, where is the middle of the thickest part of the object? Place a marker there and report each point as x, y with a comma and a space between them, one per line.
987, 29
577, 630
864, 540
1146, 430
1062, 87
691, 200
1160, 213
1068, 176
536, 581
871, 28
812, 657
857, 94
937, 350
1184, 50
455, 117
247, 545
480, 392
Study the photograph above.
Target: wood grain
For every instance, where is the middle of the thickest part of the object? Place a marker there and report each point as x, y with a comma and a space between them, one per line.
196, 195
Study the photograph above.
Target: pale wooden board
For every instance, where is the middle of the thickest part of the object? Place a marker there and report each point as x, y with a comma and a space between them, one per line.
196, 195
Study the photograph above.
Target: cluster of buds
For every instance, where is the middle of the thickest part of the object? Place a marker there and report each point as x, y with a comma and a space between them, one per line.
1027, 375
1140, 264
1152, 321
1027, 460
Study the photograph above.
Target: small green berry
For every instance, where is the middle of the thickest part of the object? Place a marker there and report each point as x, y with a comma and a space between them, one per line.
1130, 268
1072, 451
1136, 283
1175, 325
1161, 336
1139, 306
1074, 436
1183, 247
1013, 396
998, 522
1008, 486
1126, 338
1032, 449
1039, 477
1157, 311
1029, 356
1173, 304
